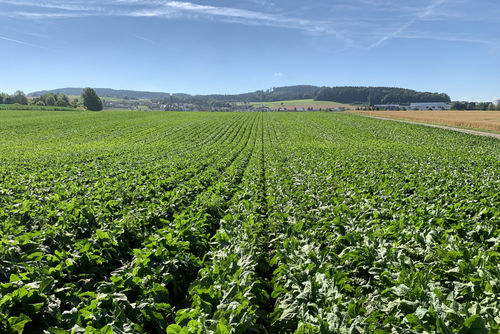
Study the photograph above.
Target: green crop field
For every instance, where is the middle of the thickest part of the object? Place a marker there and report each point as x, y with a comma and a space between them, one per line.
162, 222
32, 107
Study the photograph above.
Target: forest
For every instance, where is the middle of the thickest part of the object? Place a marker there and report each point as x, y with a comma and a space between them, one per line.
378, 95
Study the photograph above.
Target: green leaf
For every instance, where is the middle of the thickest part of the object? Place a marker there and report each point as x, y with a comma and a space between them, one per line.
18, 323
223, 327
414, 321
476, 323
46, 285
107, 329
176, 329
102, 234
14, 278
442, 328
400, 290
352, 310
278, 292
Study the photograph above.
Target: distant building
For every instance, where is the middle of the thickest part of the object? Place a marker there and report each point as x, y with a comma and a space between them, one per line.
496, 102
430, 105
389, 106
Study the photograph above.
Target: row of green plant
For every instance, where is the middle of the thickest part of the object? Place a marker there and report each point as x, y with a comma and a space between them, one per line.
126, 222
112, 239
382, 227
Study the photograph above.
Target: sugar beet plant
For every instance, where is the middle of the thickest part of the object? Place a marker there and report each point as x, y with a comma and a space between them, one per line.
129, 222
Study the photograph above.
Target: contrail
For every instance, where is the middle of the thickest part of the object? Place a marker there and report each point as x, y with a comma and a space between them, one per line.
33, 45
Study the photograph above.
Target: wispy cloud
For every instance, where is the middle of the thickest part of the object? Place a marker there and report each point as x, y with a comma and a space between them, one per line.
69, 7
167, 10
444, 37
278, 74
152, 42
28, 44
421, 15
41, 16
345, 20
266, 4
178, 9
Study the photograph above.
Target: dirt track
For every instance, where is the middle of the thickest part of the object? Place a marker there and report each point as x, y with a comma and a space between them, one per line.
472, 132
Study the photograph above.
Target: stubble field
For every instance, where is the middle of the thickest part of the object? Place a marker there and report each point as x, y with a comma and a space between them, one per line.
163, 222
475, 119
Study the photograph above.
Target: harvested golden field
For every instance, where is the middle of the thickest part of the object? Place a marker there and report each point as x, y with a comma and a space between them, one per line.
487, 120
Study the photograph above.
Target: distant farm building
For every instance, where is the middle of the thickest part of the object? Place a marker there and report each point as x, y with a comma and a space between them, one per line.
389, 106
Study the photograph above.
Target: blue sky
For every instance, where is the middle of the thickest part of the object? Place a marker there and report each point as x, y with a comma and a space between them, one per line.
210, 46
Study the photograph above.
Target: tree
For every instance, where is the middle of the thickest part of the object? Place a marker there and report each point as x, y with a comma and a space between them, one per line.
50, 101
90, 100
20, 97
61, 103
64, 97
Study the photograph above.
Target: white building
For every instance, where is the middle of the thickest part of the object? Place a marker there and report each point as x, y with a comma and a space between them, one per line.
430, 105
496, 102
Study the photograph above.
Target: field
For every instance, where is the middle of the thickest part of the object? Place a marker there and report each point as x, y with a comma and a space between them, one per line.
302, 103
475, 119
163, 222
31, 107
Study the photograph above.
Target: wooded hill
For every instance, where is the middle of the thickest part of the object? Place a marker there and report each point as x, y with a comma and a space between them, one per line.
103, 92
348, 95
377, 95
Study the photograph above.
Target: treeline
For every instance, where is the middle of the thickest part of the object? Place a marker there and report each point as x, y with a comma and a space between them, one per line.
50, 99
197, 100
301, 92
377, 95
474, 106
18, 97
348, 95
